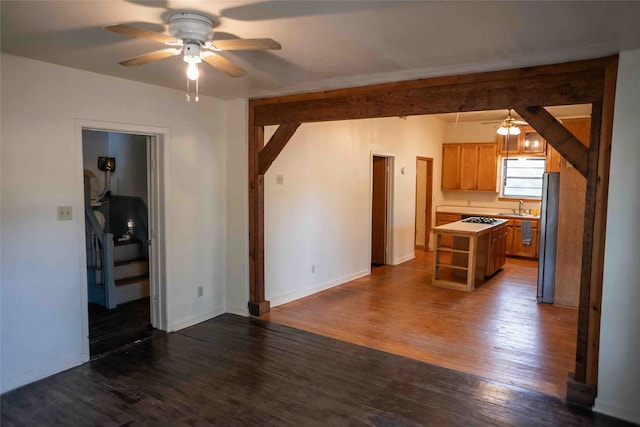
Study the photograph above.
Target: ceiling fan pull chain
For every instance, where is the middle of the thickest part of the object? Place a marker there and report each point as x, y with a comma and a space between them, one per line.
188, 96
197, 97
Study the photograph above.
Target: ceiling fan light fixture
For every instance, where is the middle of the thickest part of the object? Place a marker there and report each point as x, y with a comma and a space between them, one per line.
192, 57
508, 127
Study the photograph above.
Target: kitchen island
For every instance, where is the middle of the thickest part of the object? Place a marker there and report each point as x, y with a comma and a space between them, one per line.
475, 251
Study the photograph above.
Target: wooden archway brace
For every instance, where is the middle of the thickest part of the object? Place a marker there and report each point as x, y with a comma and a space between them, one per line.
275, 145
557, 135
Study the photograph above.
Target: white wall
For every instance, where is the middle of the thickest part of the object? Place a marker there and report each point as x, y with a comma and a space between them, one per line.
619, 368
320, 216
42, 277
237, 207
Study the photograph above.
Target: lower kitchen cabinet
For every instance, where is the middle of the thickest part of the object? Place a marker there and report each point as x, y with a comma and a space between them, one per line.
515, 247
497, 249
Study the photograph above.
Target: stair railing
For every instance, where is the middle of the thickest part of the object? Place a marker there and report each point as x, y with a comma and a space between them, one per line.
100, 255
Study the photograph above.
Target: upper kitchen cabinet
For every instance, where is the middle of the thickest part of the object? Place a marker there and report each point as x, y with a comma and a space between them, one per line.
469, 167
554, 160
451, 166
529, 142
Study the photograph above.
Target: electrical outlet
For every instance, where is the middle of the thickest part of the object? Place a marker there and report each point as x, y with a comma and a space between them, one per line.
200, 291
279, 179
64, 213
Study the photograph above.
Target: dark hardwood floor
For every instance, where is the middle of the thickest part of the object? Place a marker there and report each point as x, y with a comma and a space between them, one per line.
125, 324
237, 371
498, 331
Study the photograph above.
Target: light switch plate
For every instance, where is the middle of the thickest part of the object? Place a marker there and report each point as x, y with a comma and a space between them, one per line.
64, 213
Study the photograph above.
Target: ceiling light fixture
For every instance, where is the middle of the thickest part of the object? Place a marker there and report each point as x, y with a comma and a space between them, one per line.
191, 34
192, 57
508, 126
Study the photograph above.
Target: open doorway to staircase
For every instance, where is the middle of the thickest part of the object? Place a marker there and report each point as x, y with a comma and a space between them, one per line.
117, 213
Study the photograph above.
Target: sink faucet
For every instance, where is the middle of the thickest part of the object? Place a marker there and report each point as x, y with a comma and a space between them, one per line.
520, 206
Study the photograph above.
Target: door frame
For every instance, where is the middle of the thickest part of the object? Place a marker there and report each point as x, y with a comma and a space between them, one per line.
158, 159
428, 202
388, 253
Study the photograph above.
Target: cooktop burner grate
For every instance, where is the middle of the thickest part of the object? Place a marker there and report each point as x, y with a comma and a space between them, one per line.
481, 220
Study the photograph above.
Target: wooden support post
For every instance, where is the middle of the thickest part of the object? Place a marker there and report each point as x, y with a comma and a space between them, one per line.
257, 303
588, 344
557, 135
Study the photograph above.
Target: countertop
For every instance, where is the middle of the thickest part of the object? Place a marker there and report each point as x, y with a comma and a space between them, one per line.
468, 228
481, 211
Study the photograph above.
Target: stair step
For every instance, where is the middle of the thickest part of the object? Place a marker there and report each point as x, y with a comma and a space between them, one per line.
131, 288
131, 280
126, 251
131, 268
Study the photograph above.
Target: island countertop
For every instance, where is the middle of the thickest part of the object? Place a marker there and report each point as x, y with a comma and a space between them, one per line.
482, 211
467, 228
475, 251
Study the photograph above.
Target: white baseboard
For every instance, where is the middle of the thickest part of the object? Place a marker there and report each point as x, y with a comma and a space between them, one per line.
239, 310
405, 258
615, 410
190, 321
42, 372
276, 301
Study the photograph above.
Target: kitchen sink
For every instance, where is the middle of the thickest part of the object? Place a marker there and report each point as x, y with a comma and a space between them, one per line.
514, 214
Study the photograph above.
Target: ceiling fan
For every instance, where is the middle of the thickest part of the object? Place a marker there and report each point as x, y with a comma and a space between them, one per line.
508, 126
191, 34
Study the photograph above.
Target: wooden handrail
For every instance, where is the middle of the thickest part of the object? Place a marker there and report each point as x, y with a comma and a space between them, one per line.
93, 221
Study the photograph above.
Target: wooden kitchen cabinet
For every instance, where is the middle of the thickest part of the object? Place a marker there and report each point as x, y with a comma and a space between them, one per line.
513, 240
451, 166
509, 238
497, 249
520, 249
469, 167
554, 160
529, 142
487, 167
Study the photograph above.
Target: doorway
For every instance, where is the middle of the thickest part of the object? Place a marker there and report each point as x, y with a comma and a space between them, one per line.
424, 198
381, 209
117, 195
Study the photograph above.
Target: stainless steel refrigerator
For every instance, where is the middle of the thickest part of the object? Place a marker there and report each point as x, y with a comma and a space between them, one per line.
548, 237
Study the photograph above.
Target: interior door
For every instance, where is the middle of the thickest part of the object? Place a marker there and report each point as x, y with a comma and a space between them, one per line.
379, 211
424, 192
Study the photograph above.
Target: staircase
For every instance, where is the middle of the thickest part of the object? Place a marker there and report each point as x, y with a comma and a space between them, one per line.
117, 271
131, 272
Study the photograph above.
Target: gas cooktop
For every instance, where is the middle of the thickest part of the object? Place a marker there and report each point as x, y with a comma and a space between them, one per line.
480, 220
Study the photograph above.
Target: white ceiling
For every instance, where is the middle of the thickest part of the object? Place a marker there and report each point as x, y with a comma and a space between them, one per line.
325, 44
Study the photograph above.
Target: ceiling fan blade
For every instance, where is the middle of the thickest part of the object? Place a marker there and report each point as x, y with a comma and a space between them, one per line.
245, 44
150, 57
223, 64
142, 34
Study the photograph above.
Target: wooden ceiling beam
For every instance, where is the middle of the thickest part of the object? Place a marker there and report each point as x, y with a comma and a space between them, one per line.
275, 145
569, 147
438, 95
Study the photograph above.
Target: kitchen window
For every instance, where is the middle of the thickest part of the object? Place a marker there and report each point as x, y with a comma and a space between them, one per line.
522, 177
